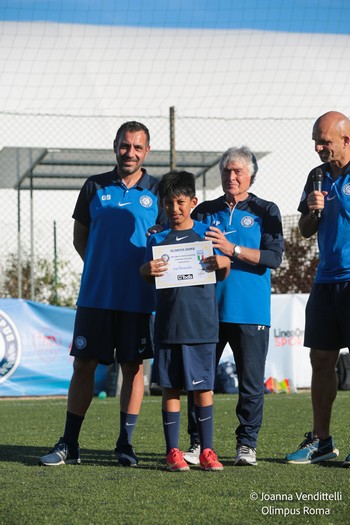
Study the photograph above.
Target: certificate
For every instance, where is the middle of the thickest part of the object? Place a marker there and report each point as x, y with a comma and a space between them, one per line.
185, 264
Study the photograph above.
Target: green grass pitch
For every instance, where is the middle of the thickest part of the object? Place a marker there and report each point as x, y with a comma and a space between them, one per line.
102, 493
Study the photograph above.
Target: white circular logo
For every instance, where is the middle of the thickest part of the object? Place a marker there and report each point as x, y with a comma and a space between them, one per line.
247, 221
80, 342
146, 201
10, 347
303, 196
346, 189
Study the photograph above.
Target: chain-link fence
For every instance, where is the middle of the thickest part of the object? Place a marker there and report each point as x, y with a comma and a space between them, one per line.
37, 258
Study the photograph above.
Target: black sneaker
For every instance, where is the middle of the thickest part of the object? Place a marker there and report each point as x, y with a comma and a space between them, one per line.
60, 455
126, 456
347, 462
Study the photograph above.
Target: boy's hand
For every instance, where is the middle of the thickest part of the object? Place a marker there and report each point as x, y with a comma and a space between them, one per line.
157, 267
154, 268
218, 263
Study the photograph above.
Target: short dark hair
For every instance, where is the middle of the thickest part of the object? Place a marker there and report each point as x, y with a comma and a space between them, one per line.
176, 183
132, 126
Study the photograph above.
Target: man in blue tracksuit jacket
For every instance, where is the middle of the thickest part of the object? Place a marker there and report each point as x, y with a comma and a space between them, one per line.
248, 229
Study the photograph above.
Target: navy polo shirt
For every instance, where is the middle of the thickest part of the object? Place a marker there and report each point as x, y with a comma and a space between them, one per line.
118, 219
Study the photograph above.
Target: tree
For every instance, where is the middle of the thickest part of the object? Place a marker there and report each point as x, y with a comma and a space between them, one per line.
297, 271
61, 293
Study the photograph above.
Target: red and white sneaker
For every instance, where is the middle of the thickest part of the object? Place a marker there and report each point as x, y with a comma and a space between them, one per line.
209, 460
175, 461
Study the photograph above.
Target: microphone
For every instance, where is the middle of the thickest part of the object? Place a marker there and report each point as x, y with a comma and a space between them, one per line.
317, 177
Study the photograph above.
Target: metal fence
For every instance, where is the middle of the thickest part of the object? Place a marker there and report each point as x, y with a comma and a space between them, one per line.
36, 225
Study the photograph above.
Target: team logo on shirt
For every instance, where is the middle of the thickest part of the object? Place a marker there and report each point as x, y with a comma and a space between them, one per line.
247, 221
146, 201
10, 347
346, 189
80, 342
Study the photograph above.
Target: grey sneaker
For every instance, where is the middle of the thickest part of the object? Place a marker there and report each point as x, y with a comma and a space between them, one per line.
192, 454
60, 455
245, 456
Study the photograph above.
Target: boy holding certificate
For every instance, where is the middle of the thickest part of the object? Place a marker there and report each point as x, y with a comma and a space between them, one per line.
186, 323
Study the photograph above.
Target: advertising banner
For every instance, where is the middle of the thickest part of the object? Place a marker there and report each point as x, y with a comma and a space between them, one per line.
287, 358
35, 341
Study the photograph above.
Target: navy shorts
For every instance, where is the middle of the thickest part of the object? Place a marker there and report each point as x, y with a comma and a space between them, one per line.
108, 334
327, 322
186, 367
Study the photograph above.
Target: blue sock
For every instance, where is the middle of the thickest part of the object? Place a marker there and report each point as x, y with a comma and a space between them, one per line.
205, 423
127, 425
171, 425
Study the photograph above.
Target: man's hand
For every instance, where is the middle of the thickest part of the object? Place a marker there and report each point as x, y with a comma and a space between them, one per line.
315, 200
154, 229
219, 241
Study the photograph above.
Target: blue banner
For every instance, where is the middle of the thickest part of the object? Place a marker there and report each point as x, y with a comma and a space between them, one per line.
35, 341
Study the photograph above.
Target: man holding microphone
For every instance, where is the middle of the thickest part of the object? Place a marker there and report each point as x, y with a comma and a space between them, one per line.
325, 209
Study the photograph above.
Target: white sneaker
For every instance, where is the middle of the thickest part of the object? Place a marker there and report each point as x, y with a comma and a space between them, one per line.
192, 454
245, 456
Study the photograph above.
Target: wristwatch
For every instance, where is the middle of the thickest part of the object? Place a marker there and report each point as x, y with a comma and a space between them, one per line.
236, 251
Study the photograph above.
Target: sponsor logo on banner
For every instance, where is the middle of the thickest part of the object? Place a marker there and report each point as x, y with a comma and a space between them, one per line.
47, 345
10, 347
288, 337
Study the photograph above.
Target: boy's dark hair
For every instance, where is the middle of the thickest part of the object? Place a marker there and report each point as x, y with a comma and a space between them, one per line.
132, 126
176, 183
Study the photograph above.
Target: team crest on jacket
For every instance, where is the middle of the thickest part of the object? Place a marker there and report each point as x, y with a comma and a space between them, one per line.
146, 201
346, 189
247, 221
10, 347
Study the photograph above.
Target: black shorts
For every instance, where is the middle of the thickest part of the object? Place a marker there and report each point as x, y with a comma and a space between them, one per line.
108, 334
327, 322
